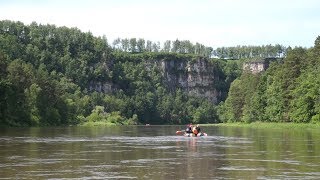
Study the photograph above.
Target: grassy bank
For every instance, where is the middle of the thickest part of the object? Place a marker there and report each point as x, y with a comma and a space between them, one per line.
99, 123
267, 125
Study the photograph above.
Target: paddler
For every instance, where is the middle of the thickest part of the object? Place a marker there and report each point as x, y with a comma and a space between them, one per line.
196, 130
189, 128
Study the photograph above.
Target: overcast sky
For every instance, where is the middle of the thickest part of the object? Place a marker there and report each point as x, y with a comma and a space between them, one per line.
213, 23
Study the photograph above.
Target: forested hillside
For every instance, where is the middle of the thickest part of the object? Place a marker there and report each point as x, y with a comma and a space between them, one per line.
50, 75
289, 91
61, 76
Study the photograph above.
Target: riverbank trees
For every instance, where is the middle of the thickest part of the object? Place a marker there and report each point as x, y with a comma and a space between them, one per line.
46, 73
289, 91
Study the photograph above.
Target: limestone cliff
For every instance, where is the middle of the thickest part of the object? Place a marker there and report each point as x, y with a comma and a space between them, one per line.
195, 76
255, 66
258, 65
105, 87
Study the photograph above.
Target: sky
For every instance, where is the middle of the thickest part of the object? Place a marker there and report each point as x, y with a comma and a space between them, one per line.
213, 23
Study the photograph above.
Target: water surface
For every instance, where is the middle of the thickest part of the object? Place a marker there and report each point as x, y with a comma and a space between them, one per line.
155, 152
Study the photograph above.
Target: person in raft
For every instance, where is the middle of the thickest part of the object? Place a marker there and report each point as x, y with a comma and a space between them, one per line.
189, 128
196, 130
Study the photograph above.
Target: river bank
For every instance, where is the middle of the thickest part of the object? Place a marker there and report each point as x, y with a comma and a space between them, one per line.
268, 125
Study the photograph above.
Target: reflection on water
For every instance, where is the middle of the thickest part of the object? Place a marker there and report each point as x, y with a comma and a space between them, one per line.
155, 152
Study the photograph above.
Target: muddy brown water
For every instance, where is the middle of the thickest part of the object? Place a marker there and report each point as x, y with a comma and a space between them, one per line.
155, 152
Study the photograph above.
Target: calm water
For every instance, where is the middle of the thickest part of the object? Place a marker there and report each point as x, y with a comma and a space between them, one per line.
155, 152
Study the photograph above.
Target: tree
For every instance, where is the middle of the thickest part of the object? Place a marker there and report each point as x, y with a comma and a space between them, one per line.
125, 44
149, 46
133, 45
175, 46
116, 43
141, 45
167, 46
205, 113
33, 94
156, 47
97, 114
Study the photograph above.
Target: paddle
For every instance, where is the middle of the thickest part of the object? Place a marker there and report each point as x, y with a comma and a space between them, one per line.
180, 132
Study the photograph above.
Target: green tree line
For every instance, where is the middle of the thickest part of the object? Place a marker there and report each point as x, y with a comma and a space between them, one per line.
46, 71
140, 45
245, 52
289, 91
135, 45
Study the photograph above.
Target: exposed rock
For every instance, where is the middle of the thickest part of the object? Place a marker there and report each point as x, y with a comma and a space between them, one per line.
105, 87
257, 66
195, 77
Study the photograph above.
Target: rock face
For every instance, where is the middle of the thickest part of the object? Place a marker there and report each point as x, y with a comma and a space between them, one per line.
255, 66
195, 77
258, 66
105, 87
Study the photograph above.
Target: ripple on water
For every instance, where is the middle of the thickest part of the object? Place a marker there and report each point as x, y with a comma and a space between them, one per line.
58, 140
152, 140
147, 161
291, 162
4, 138
302, 176
240, 168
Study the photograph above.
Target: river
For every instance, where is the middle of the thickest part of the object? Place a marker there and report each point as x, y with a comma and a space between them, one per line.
155, 152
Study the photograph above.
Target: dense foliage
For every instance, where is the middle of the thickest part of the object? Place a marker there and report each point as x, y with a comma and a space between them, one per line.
244, 52
289, 91
134, 45
46, 72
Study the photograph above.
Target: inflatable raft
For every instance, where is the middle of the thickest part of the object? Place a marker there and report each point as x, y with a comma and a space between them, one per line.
190, 134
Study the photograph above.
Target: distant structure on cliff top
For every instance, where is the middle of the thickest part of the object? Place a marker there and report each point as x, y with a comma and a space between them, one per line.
258, 65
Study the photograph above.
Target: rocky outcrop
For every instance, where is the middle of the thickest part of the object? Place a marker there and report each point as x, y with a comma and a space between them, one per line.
254, 66
195, 77
258, 65
105, 87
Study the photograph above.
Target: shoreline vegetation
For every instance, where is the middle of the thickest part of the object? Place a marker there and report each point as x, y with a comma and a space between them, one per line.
256, 125
269, 125
60, 76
